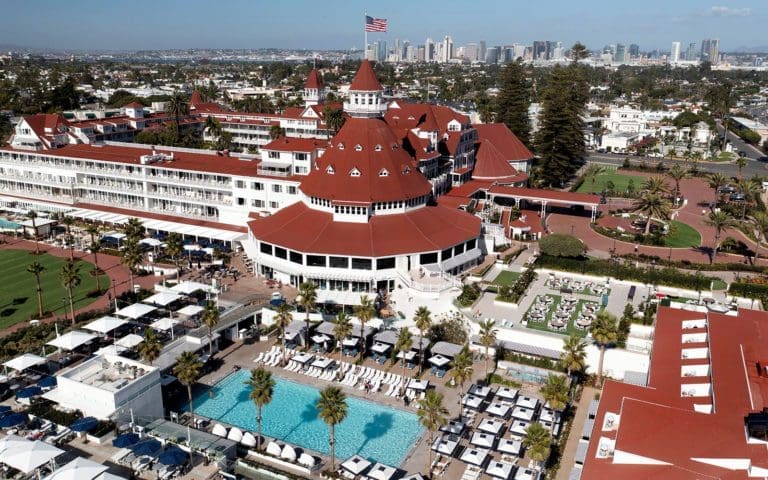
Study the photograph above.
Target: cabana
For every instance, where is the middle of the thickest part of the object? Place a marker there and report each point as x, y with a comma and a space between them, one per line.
105, 325
355, 465
442, 355
188, 288
471, 401
507, 393
522, 413
303, 357
499, 469
71, 340
519, 427
322, 363
527, 402
455, 427
295, 333
446, 444
498, 410
24, 361
483, 440
380, 471
135, 311
419, 385
480, 391
526, 474
490, 425
512, 445
474, 456
320, 342
28, 457
439, 364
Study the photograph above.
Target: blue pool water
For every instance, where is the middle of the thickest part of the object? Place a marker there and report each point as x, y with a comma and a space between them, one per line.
8, 225
373, 431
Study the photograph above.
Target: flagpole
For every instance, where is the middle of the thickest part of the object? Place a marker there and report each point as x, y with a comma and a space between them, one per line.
365, 29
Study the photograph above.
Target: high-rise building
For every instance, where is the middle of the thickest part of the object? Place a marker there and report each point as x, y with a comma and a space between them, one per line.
690, 54
519, 51
674, 55
704, 54
421, 54
621, 53
539, 50
447, 49
380, 49
714, 51
492, 55
429, 50
481, 52
634, 50
471, 52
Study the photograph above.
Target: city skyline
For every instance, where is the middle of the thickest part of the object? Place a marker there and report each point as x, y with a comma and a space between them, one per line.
309, 25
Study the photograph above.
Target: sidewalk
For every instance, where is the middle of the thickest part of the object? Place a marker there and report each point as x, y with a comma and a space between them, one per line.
580, 417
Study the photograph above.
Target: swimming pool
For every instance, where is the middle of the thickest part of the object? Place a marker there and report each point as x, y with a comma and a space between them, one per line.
373, 431
8, 225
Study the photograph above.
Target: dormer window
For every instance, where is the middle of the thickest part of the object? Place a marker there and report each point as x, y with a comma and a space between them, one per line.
340, 146
377, 148
354, 172
406, 170
329, 170
383, 172
358, 148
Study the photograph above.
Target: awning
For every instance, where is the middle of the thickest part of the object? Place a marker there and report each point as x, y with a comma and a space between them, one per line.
23, 362
105, 324
474, 456
162, 299
164, 324
491, 426
135, 311
190, 310
191, 287
355, 465
130, 340
71, 340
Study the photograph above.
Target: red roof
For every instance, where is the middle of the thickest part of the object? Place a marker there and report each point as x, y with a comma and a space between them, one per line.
292, 144
314, 80
490, 163
298, 227
469, 188
506, 142
423, 116
135, 105
365, 163
365, 80
195, 99
41, 122
553, 196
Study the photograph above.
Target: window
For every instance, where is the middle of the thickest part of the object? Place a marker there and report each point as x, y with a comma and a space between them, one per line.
300, 156
239, 184
240, 201
274, 155
274, 205
316, 260
458, 249
385, 263
292, 190
329, 170
341, 146
383, 172
377, 147
446, 254
257, 203
361, 264
277, 188
265, 248
281, 253
339, 262
257, 186
354, 172
358, 148
428, 258
296, 257
471, 244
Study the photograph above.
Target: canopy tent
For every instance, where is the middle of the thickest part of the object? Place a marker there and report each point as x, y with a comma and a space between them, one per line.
110, 350
78, 469
164, 324
188, 288
471, 401
162, 299
511, 445
380, 348
409, 356
105, 324
23, 362
12, 441
26, 458
350, 342
190, 310
499, 469
446, 444
129, 341
322, 363
274, 449
421, 385
320, 339
474, 456
219, 430
480, 439
480, 390
507, 393
526, 474
355, 465
135, 311
71, 340
439, 361
490, 425
498, 410
522, 413
248, 440
303, 357
380, 471
527, 402
453, 426
519, 427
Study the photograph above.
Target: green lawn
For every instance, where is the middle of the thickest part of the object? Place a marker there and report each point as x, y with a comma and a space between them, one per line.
506, 278
681, 235
18, 298
718, 284
570, 328
620, 182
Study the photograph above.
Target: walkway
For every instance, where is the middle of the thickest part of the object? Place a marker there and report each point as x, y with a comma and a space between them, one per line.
580, 416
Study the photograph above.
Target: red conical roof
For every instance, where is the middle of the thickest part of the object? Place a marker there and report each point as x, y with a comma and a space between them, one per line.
365, 79
314, 80
196, 99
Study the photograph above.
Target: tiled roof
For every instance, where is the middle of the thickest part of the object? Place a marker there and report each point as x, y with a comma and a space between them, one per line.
506, 142
292, 144
554, 196
314, 80
365, 79
490, 163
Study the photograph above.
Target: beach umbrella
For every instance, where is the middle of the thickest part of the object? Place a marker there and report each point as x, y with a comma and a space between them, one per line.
125, 440
5, 409
78, 469
13, 419
29, 458
219, 430
146, 447
173, 456
47, 382
85, 424
307, 460
248, 440
29, 392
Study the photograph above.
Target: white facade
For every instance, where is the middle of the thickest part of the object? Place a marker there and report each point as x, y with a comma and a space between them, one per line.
674, 56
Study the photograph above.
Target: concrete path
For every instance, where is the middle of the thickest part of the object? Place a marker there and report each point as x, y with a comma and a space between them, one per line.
580, 415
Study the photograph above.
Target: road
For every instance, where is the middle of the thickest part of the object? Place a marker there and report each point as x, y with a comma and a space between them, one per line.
753, 167
739, 145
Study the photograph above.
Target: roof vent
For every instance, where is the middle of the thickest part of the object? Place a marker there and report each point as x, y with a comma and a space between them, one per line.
377, 148
383, 172
329, 170
358, 148
354, 172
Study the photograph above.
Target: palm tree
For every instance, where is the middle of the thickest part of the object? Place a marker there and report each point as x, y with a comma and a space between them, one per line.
652, 205
131, 258
95, 247
174, 246
36, 269
678, 173
655, 185
433, 415
187, 370
334, 119
423, 321
404, 344
364, 312
741, 162
487, 338
555, 391
719, 220
604, 331
70, 279
573, 358
342, 328
716, 181
332, 409
307, 299
282, 320
751, 189
462, 370
275, 132
212, 126
210, 318
537, 442
134, 230
178, 106
262, 388
32, 215
760, 220
151, 347
68, 222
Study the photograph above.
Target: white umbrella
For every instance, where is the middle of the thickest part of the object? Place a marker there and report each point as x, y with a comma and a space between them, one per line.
29, 458
135, 311
482, 440
381, 472
248, 440
12, 441
190, 310
219, 430
105, 324
490, 425
24, 361
162, 298
274, 449
355, 465
507, 393
164, 324
71, 340
288, 453
78, 469
499, 469
307, 460
498, 409
474, 456
130, 340
446, 444
510, 445
235, 434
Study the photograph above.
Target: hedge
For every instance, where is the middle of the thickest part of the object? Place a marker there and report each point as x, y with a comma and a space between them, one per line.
757, 291
688, 265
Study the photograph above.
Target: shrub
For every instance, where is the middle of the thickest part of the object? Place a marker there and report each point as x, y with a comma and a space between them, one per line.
758, 291
469, 294
45, 409
561, 245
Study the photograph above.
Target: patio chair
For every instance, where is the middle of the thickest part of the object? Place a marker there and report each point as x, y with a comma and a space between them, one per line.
440, 373
433, 370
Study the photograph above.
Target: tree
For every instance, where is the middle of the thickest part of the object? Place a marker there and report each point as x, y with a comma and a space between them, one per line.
178, 106
334, 118
37, 269
95, 248
488, 338
282, 320
579, 52
604, 333
677, 173
717, 180
262, 389
513, 101
150, 348
68, 221
364, 312
174, 246
276, 132
187, 371
461, 371
720, 99
332, 409
134, 230
625, 324
404, 344
652, 205
32, 215
573, 358
720, 220
555, 391
741, 162
423, 320
760, 220
210, 318
537, 442
655, 185
307, 298
561, 245
131, 258
70, 279
433, 415
342, 328
751, 189
212, 126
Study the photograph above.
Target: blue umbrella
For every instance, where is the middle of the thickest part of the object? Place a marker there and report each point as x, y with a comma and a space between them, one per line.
125, 440
29, 392
12, 420
84, 424
173, 456
47, 382
4, 409
146, 447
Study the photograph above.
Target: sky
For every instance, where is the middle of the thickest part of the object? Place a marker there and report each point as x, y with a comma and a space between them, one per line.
338, 24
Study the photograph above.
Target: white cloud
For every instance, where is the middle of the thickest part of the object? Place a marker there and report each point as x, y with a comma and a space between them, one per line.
720, 11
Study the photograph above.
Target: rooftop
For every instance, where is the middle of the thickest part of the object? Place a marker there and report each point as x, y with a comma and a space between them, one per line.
107, 372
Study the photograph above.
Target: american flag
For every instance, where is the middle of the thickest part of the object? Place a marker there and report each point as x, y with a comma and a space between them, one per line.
375, 24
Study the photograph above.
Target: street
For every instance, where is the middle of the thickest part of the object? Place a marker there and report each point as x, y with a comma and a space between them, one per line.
753, 167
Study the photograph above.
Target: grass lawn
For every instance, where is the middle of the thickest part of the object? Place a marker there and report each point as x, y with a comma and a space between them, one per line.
620, 182
681, 235
18, 297
570, 328
718, 284
506, 278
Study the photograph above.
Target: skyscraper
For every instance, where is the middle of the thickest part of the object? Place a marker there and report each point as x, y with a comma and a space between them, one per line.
492, 55
481, 52
470, 52
621, 53
634, 50
447, 49
690, 55
539, 50
714, 51
704, 54
674, 56
429, 50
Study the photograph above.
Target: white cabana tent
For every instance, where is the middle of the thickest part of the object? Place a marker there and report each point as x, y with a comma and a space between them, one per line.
526, 474
518, 427
11, 441
527, 402
24, 361
302, 357
439, 360
307, 460
188, 288
105, 324
355, 465
498, 410
162, 299
274, 449
71, 340
507, 393
446, 444
512, 445
129, 341
480, 391
474, 456
499, 469
322, 363
219, 430
190, 310
453, 426
26, 458
78, 469
472, 401
135, 311
490, 425
522, 413
164, 324
110, 350
380, 348
380, 471
288, 453
480, 439
420, 385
